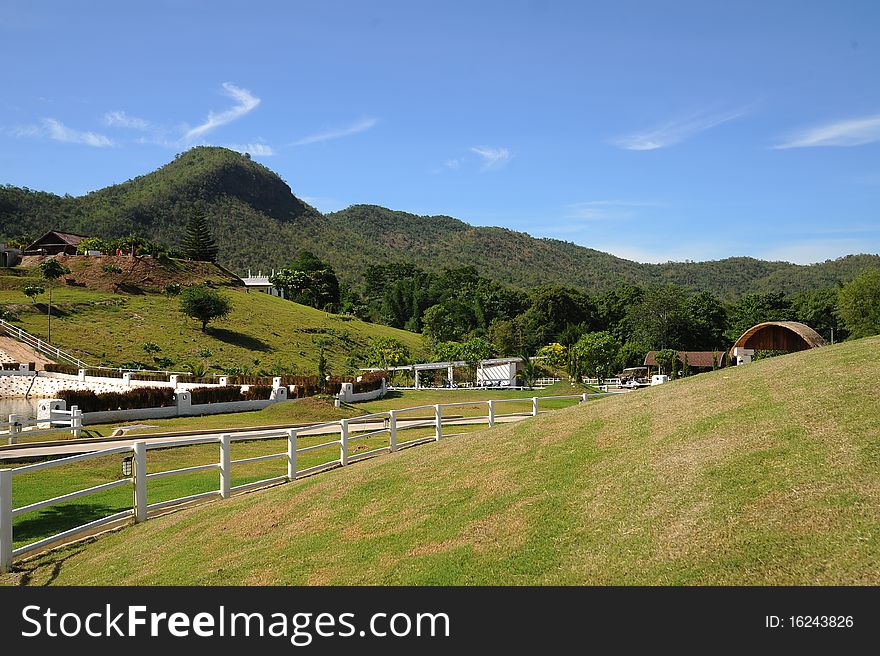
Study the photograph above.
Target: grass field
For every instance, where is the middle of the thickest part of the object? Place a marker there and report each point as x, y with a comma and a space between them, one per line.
61, 480
262, 332
762, 474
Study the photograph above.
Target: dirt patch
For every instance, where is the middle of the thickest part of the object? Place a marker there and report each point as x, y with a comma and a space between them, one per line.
18, 352
136, 275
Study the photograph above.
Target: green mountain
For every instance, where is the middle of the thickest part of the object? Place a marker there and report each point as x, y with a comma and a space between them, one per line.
259, 223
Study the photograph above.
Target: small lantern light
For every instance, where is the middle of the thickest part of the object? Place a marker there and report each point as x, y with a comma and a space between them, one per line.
127, 466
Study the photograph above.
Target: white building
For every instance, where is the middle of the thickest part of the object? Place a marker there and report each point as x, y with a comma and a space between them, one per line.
261, 283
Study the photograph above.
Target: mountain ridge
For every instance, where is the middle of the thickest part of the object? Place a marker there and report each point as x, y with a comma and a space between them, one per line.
260, 223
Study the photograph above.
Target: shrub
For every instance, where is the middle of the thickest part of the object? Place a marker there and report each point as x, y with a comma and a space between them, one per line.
59, 368
258, 393
192, 378
111, 268
142, 397
250, 380
150, 375
367, 385
104, 373
224, 394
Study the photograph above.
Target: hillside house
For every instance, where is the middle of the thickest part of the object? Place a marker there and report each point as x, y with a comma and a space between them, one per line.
55, 242
260, 283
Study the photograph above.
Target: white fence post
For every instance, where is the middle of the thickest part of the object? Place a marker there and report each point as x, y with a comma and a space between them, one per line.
584, 397
14, 428
225, 474
534, 406
343, 442
75, 421
291, 455
491, 414
392, 430
438, 422
140, 481
5, 520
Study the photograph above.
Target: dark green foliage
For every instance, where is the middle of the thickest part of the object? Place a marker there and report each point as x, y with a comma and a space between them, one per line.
667, 360
192, 378
223, 394
247, 204
753, 309
198, 244
309, 281
859, 304
140, 397
204, 304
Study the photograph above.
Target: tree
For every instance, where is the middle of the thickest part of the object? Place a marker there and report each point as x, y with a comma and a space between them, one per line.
204, 304
597, 353
858, 304
387, 352
667, 359
818, 309
555, 355
198, 244
32, 291
309, 281
705, 319
441, 325
660, 319
51, 270
475, 351
752, 309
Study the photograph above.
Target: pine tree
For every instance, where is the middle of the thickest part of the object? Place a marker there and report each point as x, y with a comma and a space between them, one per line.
198, 244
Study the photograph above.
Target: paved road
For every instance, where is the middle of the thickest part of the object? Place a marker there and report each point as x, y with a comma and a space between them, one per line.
75, 447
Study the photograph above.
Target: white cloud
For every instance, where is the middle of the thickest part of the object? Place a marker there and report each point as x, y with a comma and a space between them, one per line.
852, 132
56, 130
258, 149
453, 163
676, 131
359, 126
493, 158
602, 210
120, 119
245, 103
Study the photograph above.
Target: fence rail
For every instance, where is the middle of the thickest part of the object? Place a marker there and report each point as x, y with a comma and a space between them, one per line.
393, 423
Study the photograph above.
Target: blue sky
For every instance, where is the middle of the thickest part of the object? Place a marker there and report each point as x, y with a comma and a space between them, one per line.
652, 130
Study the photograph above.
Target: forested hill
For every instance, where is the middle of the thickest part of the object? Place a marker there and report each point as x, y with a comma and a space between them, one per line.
259, 223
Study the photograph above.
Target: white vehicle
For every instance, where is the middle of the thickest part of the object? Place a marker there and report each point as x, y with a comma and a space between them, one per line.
659, 379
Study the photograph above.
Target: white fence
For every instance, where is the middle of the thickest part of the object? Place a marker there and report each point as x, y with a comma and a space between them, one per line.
392, 423
69, 421
38, 344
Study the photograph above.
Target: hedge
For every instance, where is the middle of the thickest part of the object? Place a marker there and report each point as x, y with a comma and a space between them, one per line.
189, 378
58, 368
140, 397
249, 380
224, 394
13, 366
150, 375
258, 393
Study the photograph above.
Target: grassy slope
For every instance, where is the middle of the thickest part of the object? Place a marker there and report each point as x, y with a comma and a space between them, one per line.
263, 332
764, 474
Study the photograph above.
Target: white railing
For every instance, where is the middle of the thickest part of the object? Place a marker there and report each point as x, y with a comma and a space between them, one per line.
38, 344
17, 426
392, 423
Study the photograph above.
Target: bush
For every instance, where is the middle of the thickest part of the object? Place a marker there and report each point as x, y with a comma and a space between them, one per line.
366, 385
191, 378
104, 373
224, 394
150, 375
111, 268
59, 368
258, 393
142, 397
250, 380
